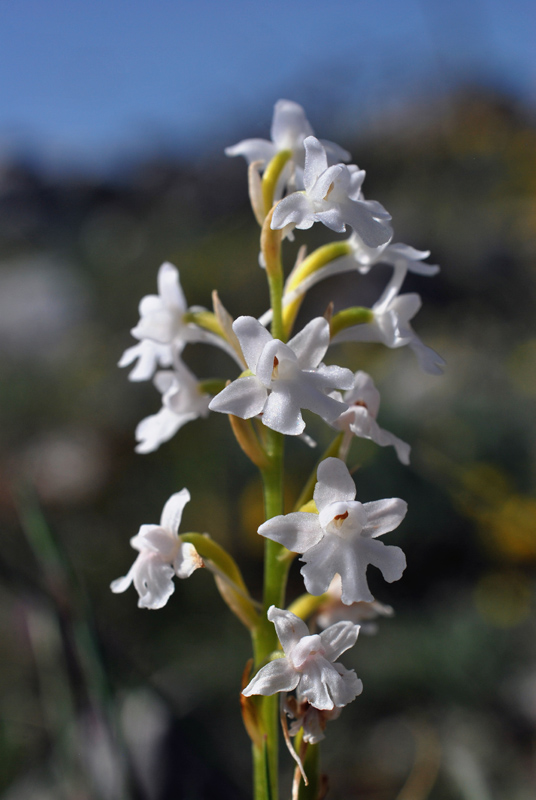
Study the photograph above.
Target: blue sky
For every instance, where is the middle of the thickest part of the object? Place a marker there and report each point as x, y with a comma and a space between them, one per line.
91, 81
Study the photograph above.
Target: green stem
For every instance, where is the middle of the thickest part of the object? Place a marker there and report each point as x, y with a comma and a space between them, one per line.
264, 637
265, 758
311, 765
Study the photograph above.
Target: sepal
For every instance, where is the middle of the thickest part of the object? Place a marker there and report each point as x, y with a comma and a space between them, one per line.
225, 321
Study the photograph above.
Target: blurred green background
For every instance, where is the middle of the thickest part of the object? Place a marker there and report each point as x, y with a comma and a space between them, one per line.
101, 700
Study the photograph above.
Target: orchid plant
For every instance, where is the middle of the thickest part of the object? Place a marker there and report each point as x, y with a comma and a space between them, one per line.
294, 679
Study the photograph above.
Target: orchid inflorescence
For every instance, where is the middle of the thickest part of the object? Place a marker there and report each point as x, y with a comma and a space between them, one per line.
295, 180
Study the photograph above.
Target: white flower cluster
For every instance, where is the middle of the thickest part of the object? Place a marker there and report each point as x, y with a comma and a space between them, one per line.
163, 331
336, 535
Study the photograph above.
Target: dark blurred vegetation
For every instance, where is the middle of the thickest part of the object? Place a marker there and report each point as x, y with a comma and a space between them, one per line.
99, 699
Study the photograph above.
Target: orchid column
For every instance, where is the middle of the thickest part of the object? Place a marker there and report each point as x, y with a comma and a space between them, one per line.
294, 677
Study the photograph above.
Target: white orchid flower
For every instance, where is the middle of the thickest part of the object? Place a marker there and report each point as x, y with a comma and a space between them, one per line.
290, 128
286, 378
391, 327
182, 402
308, 665
162, 555
163, 330
342, 537
363, 401
161, 315
332, 195
402, 257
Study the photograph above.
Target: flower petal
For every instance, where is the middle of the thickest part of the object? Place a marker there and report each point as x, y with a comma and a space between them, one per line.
122, 584
334, 555
252, 337
429, 361
318, 570
316, 162
367, 332
290, 126
297, 531
158, 428
334, 483
289, 628
373, 232
335, 152
187, 560
169, 288
406, 306
142, 540
365, 391
149, 304
172, 511
347, 688
332, 180
266, 361
157, 540
244, 398
153, 580
389, 559
277, 676
148, 354
333, 218
313, 684
296, 209
384, 515
338, 638
310, 393
332, 375
253, 150
311, 343
281, 412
